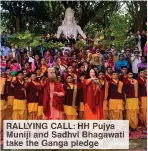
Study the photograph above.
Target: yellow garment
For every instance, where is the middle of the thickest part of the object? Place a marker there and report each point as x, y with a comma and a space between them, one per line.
3, 105
132, 110
105, 109
115, 109
19, 110
43, 68
115, 114
9, 109
70, 110
81, 108
105, 105
40, 111
71, 117
132, 116
93, 56
2, 85
132, 103
32, 116
32, 107
1, 119
19, 104
143, 107
143, 103
89, 56
116, 104
10, 101
71, 85
19, 115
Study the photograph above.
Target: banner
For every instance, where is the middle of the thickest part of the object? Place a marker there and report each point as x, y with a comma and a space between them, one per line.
66, 134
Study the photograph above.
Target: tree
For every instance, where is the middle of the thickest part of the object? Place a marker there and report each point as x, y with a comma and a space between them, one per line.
51, 13
17, 10
138, 11
87, 11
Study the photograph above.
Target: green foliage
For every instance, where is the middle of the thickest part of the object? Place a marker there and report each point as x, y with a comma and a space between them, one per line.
51, 13
137, 11
115, 32
130, 42
83, 44
60, 45
35, 41
95, 17
23, 38
92, 28
48, 45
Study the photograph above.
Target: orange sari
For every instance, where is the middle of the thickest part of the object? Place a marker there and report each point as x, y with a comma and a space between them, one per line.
93, 105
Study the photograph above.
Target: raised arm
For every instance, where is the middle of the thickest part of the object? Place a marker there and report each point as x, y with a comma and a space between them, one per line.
136, 88
61, 91
106, 91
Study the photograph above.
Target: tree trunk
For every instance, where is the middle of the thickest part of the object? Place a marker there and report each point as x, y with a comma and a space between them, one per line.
17, 23
139, 21
139, 16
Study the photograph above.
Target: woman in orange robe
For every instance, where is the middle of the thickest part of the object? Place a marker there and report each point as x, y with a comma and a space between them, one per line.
93, 108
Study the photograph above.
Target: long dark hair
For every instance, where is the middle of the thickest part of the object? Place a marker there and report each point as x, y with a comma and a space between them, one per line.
88, 73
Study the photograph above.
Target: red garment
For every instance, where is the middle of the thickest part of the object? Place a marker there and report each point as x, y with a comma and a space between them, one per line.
9, 89
108, 77
102, 95
92, 50
57, 101
94, 96
32, 92
142, 87
145, 50
19, 90
80, 91
78, 74
65, 75
123, 78
69, 93
41, 94
64, 62
75, 70
113, 91
129, 89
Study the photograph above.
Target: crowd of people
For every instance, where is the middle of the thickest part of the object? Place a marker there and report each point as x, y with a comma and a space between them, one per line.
91, 83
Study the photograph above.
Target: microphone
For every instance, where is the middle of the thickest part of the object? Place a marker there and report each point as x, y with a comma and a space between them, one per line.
97, 82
